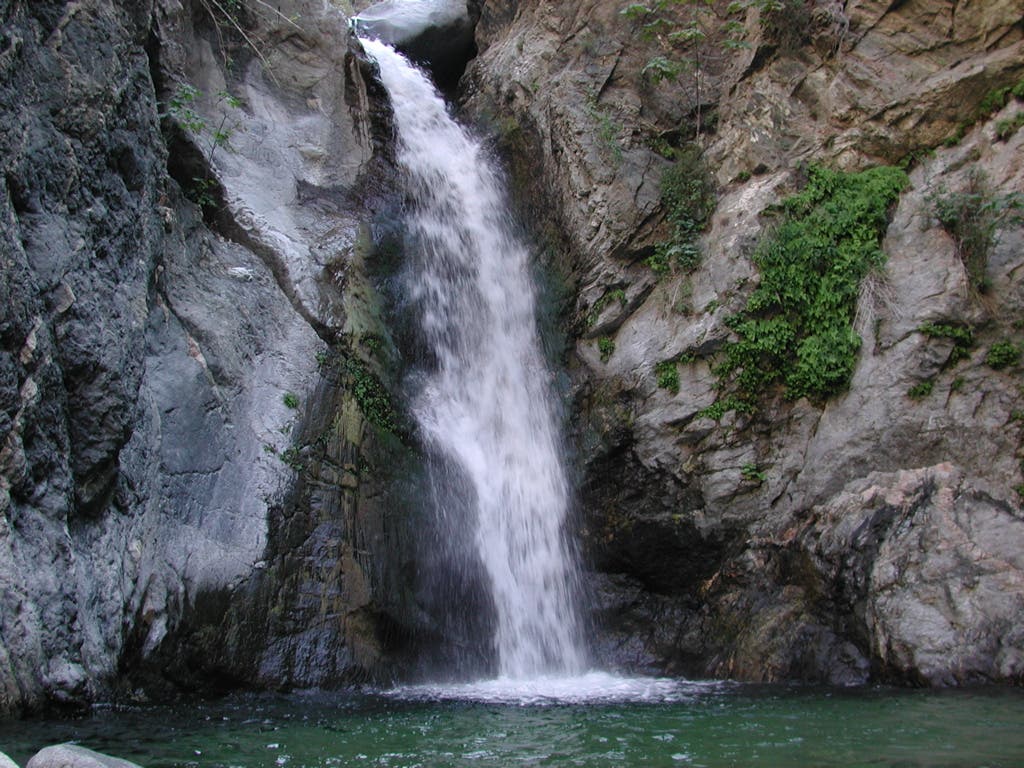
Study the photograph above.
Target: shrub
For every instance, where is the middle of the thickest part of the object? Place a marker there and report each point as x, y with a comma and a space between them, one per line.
668, 375
688, 196
921, 390
1006, 128
1002, 354
752, 473
797, 326
291, 400
606, 346
961, 336
371, 396
973, 217
719, 408
616, 294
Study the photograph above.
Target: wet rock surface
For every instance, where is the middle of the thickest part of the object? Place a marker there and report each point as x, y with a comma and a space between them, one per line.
180, 296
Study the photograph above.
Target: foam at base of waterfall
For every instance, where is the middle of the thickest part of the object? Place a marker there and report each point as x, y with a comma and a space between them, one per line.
591, 688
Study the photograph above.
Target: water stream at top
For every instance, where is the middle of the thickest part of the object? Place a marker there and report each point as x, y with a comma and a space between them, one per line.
485, 402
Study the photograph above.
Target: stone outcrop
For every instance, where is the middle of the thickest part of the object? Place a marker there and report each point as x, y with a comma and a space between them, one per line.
870, 536
206, 480
74, 756
185, 220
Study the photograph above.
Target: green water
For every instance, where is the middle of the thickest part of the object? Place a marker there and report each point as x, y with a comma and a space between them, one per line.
728, 725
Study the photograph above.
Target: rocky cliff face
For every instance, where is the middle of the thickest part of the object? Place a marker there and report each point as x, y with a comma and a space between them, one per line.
190, 482
205, 475
871, 534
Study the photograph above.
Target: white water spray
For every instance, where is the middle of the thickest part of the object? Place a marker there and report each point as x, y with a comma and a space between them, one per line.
485, 403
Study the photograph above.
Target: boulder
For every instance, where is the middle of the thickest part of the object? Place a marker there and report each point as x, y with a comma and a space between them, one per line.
73, 756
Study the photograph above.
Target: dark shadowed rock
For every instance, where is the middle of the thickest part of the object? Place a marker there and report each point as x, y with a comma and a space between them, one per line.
159, 359
435, 33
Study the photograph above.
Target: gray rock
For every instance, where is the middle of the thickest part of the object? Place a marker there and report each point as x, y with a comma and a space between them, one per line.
147, 452
74, 756
675, 503
6, 762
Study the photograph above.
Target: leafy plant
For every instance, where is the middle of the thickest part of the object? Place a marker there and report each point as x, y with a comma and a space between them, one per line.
668, 375
293, 458
616, 294
606, 346
1002, 354
181, 106
371, 396
202, 191
229, 18
1006, 128
991, 103
961, 336
694, 35
973, 218
291, 400
688, 195
752, 473
725, 405
921, 390
797, 326
609, 131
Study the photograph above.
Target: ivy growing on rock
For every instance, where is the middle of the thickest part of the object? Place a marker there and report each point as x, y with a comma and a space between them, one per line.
961, 336
691, 37
797, 327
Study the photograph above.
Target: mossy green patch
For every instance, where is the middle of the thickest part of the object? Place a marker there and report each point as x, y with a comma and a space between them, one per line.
667, 375
921, 390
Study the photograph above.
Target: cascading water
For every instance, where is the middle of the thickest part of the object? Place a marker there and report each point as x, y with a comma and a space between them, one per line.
484, 403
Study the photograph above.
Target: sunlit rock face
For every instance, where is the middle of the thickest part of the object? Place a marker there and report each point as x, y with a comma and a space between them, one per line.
722, 546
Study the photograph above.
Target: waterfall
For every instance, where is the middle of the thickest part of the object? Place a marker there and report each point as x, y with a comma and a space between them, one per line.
484, 401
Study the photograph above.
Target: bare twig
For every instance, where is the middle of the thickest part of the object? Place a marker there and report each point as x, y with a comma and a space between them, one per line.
238, 27
277, 13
